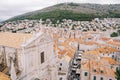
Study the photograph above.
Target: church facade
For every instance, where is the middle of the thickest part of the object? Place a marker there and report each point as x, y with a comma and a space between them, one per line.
28, 57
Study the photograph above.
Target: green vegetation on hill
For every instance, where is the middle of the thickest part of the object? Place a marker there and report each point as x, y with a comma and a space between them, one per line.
59, 15
74, 11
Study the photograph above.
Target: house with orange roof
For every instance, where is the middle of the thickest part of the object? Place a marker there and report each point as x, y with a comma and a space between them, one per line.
96, 70
114, 43
107, 52
115, 65
97, 67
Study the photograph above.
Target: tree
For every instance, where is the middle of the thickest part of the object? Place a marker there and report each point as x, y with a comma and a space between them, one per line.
114, 34
118, 74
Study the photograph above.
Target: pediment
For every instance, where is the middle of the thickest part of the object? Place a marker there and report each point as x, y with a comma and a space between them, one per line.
43, 39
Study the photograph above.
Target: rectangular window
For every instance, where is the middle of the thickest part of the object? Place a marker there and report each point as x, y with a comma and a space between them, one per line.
42, 57
101, 78
102, 71
86, 74
60, 78
94, 78
60, 64
59, 69
94, 70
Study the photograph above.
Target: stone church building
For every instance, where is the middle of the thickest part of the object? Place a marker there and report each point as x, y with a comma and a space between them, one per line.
28, 56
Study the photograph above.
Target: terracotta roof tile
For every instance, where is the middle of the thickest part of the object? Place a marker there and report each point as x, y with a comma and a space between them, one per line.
3, 76
14, 40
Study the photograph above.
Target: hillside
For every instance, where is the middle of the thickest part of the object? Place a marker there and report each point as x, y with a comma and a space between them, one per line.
1, 20
73, 11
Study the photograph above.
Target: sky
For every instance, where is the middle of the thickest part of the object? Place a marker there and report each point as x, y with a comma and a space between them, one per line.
11, 8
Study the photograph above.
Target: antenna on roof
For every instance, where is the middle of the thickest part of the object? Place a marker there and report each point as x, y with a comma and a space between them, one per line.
57, 1
78, 48
66, 5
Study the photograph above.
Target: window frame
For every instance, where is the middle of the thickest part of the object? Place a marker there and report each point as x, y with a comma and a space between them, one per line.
42, 56
86, 74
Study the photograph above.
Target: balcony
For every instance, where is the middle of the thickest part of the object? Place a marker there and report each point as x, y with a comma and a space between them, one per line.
74, 66
78, 71
73, 69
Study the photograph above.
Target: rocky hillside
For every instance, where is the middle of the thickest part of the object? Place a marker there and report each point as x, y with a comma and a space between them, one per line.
73, 11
